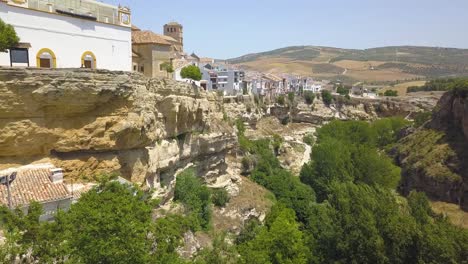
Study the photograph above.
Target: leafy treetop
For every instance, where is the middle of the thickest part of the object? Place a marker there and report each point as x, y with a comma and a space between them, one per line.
191, 72
8, 37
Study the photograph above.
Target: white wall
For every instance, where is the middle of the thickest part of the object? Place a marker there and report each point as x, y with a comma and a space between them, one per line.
69, 38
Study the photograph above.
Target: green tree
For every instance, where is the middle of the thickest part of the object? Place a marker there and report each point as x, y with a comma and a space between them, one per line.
391, 93
191, 72
110, 225
167, 66
195, 196
8, 37
168, 236
342, 90
327, 97
280, 241
221, 252
309, 97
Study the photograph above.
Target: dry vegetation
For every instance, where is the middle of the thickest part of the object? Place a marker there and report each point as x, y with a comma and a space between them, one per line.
456, 216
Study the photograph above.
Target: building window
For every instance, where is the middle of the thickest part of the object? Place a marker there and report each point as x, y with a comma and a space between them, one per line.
46, 59
88, 60
135, 68
142, 69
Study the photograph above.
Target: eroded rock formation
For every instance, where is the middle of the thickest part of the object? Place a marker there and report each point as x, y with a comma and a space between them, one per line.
435, 157
99, 121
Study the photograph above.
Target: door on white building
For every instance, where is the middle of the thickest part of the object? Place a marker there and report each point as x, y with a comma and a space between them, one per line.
88, 60
46, 59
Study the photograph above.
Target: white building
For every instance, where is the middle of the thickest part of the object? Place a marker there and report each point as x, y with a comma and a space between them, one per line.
68, 34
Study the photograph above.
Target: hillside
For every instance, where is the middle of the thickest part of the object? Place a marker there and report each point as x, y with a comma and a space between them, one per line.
434, 157
370, 65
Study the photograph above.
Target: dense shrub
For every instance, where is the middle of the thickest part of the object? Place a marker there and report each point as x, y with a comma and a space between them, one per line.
349, 152
280, 100
342, 90
220, 197
196, 197
279, 241
391, 93
440, 85
291, 97
309, 139
309, 97
287, 188
327, 97
421, 118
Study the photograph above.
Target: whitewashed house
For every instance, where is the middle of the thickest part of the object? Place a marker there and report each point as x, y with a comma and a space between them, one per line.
68, 34
229, 81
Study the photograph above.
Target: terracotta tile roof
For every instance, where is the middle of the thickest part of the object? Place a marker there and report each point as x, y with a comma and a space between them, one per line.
148, 37
33, 185
169, 38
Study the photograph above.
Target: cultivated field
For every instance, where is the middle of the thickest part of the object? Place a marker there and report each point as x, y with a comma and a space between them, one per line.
401, 88
377, 65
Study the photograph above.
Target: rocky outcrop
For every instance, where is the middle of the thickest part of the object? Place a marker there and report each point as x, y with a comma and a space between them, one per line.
435, 157
100, 121
352, 109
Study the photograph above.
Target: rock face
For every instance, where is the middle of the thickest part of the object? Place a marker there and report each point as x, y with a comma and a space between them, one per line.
435, 157
99, 121
353, 109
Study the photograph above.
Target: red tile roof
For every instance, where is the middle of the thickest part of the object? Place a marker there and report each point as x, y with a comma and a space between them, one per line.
148, 37
33, 185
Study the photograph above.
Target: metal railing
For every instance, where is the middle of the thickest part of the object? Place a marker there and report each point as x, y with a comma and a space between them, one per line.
102, 13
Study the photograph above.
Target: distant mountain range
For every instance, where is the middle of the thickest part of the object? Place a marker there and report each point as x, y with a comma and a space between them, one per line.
374, 65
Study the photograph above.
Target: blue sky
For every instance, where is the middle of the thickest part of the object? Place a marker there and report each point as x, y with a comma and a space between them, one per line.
226, 29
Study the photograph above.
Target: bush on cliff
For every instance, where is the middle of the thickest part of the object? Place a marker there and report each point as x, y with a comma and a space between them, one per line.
309, 97
195, 196
220, 197
327, 97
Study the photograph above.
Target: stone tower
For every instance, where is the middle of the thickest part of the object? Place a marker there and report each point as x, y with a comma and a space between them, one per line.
175, 30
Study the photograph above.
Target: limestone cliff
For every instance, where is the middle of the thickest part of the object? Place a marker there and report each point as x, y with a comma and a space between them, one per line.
435, 157
343, 109
100, 121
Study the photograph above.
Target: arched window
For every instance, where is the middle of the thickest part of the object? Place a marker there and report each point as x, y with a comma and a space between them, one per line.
46, 59
88, 60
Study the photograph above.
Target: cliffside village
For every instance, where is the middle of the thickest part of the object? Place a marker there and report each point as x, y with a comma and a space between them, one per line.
96, 35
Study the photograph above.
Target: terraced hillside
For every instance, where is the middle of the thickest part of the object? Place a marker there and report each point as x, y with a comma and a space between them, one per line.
370, 65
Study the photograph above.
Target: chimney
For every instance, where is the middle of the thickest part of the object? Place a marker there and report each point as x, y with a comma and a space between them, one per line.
56, 175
